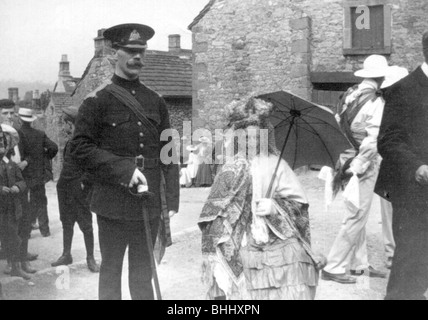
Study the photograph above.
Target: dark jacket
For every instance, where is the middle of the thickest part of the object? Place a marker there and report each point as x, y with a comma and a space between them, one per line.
36, 148
11, 204
403, 139
108, 137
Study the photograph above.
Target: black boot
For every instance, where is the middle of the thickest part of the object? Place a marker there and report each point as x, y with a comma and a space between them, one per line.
89, 244
24, 254
18, 272
26, 267
64, 260
92, 265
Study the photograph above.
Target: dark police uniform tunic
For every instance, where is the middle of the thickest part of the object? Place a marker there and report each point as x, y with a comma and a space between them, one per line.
108, 137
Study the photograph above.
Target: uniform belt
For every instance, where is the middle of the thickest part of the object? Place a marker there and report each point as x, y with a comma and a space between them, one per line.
147, 163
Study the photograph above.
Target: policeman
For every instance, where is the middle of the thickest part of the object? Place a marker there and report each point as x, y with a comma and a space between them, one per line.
117, 139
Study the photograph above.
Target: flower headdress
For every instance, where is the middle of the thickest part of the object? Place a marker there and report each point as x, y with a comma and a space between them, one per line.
242, 114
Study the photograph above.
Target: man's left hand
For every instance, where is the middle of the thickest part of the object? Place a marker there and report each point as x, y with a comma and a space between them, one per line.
172, 213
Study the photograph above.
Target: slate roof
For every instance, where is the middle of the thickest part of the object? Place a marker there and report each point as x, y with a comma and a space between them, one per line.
201, 14
168, 74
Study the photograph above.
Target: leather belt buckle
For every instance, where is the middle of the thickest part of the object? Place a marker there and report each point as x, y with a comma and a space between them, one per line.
139, 162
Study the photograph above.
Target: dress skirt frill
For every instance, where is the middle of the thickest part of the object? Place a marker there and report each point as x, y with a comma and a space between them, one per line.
279, 271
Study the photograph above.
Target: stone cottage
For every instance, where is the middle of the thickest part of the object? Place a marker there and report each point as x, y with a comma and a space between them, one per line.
308, 47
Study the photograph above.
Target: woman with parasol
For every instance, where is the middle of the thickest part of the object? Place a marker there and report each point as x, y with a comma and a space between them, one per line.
256, 245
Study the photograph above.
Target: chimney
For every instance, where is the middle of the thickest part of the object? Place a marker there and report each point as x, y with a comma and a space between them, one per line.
102, 46
64, 68
14, 94
174, 43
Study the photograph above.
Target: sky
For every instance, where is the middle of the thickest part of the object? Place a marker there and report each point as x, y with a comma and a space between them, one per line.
34, 34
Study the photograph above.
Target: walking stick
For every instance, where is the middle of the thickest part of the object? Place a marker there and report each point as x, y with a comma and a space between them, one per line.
152, 256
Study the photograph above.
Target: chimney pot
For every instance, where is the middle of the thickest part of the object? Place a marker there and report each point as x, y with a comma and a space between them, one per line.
174, 43
14, 94
102, 46
64, 68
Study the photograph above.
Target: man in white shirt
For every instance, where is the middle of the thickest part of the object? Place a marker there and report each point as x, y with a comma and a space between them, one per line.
360, 118
403, 145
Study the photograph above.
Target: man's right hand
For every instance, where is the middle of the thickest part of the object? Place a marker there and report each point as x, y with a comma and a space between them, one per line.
137, 179
422, 175
4, 191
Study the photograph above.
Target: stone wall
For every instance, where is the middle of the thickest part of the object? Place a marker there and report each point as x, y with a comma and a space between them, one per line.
260, 46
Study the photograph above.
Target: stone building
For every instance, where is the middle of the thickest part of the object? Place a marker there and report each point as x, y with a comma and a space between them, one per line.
308, 47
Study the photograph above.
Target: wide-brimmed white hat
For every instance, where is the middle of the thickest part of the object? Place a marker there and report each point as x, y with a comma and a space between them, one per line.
26, 115
191, 148
375, 66
204, 140
395, 74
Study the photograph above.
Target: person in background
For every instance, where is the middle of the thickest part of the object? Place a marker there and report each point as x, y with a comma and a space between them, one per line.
192, 163
38, 148
74, 189
204, 176
17, 155
359, 114
12, 184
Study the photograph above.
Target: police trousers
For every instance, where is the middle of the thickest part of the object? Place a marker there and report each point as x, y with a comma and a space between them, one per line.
115, 236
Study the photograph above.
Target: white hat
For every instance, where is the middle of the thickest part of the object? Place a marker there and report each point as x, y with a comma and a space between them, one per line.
204, 140
26, 115
375, 66
191, 148
395, 74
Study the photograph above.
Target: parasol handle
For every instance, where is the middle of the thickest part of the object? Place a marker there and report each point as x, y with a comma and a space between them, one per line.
269, 191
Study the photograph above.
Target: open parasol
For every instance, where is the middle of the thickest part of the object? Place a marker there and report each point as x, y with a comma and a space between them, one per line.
305, 132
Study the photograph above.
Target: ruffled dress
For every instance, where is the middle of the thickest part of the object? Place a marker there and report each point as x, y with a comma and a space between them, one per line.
237, 265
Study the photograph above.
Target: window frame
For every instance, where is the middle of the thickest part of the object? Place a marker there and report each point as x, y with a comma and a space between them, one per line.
347, 30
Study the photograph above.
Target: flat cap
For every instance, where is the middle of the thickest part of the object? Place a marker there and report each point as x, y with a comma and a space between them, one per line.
6, 104
129, 35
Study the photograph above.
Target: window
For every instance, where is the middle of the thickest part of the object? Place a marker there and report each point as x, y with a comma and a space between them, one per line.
367, 27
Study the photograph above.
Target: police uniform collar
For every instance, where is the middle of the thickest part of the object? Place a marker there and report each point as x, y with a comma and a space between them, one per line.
124, 83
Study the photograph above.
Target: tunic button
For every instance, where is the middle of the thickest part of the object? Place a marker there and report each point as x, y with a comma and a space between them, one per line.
141, 134
139, 123
133, 92
114, 124
142, 145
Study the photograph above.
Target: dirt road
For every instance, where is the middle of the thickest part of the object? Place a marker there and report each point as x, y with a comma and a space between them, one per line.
179, 272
